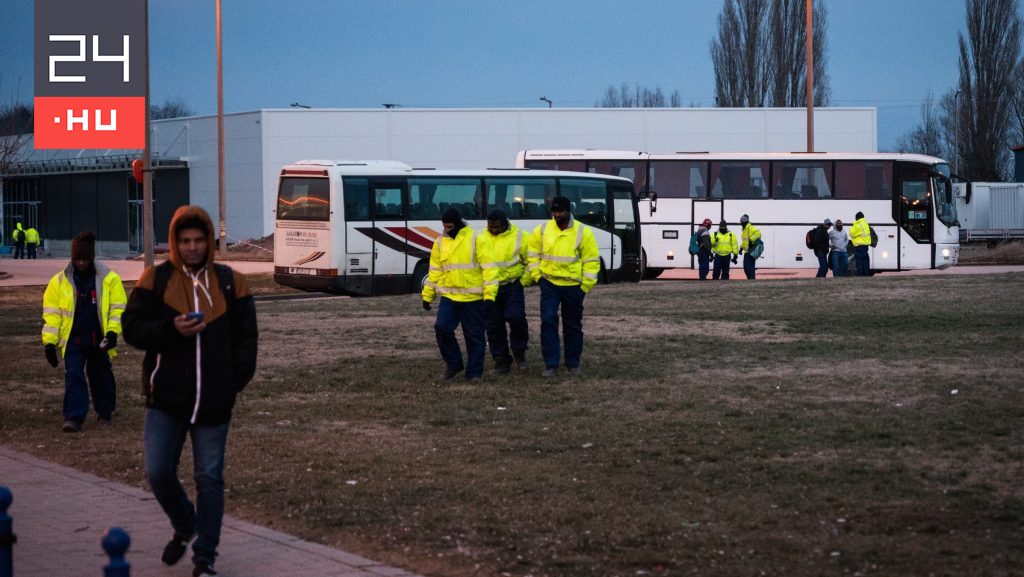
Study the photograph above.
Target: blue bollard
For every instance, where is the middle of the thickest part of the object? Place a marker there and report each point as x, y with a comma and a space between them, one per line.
7, 537
115, 543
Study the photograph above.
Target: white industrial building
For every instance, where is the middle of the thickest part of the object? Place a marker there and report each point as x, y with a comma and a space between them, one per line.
259, 143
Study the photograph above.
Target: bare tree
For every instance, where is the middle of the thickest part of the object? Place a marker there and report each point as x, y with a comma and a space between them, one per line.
171, 108
739, 56
990, 65
928, 137
787, 64
15, 129
637, 97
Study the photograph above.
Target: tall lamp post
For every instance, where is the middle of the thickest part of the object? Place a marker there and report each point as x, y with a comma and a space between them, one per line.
222, 204
956, 132
546, 99
810, 77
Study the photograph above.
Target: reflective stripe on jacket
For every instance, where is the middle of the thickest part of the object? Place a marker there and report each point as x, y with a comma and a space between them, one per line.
32, 236
860, 232
724, 243
455, 270
507, 255
564, 257
750, 236
59, 305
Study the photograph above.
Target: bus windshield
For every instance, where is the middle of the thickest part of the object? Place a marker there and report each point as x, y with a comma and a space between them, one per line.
303, 198
945, 204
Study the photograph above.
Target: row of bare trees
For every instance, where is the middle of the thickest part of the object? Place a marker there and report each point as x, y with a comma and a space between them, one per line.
976, 123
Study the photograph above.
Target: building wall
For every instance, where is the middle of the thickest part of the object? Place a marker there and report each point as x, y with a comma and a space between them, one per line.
258, 143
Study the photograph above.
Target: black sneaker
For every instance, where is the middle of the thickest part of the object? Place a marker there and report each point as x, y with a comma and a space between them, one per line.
174, 550
502, 365
448, 375
71, 426
203, 568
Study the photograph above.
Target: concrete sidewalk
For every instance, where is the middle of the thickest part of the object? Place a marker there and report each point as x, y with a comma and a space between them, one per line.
37, 272
60, 515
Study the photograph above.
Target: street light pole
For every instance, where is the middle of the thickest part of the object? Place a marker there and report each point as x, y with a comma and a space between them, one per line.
222, 232
546, 99
147, 172
956, 132
810, 77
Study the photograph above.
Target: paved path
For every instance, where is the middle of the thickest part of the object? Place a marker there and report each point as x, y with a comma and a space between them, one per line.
60, 515
37, 272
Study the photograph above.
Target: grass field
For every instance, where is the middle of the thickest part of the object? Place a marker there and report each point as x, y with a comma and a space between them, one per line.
786, 428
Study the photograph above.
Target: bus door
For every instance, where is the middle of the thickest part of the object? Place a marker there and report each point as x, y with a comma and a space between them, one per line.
625, 263
357, 255
389, 220
713, 209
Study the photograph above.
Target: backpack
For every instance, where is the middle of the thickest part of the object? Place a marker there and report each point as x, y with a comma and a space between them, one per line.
874, 237
757, 250
694, 243
809, 238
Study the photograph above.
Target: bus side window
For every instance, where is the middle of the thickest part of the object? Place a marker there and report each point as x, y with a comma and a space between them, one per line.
357, 199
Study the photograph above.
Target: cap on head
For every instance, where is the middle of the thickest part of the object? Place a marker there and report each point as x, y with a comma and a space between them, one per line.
452, 216
744, 219
83, 246
498, 215
560, 203
828, 222
706, 223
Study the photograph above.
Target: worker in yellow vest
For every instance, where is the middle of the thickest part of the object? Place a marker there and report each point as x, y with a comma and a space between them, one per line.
750, 236
860, 236
455, 275
506, 250
563, 259
725, 247
18, 238
82, 309
31, 241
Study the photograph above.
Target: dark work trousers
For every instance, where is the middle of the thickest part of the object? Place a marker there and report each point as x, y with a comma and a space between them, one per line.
749, 266
19, 249
703, 265
721, 267
450, 314
31, 249
509, 308
570, 299
862, 260
822, 264
80, 361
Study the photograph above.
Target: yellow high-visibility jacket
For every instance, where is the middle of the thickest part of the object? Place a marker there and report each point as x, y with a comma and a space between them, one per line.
724, 243
18, 233
564, 257
59, 305
31, 236
455, 269
750, 235
860, 232
507, 255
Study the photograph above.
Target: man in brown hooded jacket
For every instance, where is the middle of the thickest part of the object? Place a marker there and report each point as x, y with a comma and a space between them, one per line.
197, 323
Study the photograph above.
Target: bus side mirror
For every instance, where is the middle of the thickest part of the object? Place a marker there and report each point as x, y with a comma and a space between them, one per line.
654, 201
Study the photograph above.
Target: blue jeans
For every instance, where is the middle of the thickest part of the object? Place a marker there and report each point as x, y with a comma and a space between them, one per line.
509, 307
703, 265
163, 439
862, 260
570, 300
840, 263
822, 264
450, 314
80, 361
749, 265
721, 269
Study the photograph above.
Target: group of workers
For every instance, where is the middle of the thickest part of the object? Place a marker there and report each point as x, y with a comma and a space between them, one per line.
478, 279
25, 240
717, 250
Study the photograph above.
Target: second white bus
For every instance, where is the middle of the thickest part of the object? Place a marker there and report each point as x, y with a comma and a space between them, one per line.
906, 198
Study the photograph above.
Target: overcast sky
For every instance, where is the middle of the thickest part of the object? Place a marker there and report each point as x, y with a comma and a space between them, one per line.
887, 54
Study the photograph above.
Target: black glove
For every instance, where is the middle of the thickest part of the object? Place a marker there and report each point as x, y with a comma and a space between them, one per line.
51, 355
426, 305
741, 251
733, 259
111, 341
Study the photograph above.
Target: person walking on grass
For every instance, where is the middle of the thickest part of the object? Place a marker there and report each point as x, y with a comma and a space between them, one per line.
196, 320
506, 250
820, 243
564, 261
725, 247
465, 291
82, 308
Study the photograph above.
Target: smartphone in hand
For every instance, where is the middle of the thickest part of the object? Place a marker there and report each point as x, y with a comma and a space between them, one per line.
194, 316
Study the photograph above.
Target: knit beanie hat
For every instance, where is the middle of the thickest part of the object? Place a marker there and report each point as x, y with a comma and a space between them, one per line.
560, 203
83, 246
452, 216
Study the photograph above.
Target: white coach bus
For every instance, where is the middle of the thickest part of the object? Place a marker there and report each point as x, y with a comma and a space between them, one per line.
367, 227
907, 199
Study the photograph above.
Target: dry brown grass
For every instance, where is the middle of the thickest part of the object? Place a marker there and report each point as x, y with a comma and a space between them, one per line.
797, 428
